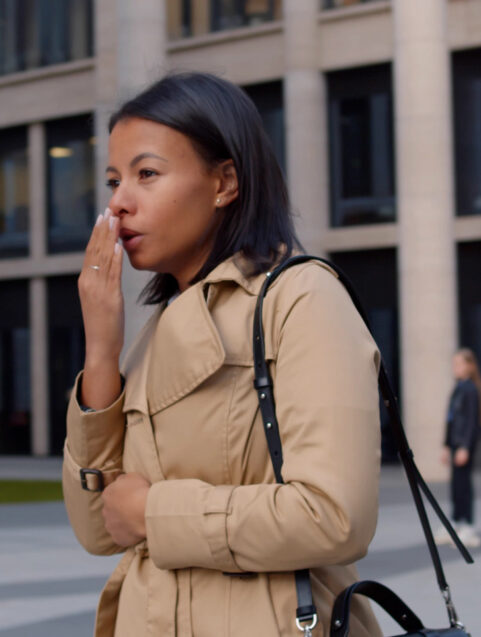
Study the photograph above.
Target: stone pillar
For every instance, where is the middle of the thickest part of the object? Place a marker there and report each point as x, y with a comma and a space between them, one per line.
306, 127
424, 152
142, 41
39, 437
39, 367
131, 53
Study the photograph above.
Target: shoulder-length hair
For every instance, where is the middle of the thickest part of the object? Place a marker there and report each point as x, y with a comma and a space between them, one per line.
222, 123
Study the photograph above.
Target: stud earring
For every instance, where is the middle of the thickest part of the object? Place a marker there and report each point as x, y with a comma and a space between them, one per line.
218, 200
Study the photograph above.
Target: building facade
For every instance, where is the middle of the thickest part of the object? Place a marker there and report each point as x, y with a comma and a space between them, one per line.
374, 110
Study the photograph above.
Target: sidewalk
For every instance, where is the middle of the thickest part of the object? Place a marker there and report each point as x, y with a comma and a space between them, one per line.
399, 558
28, 468
49, 586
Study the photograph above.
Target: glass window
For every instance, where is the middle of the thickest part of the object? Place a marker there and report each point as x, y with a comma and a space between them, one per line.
467, 130
469, 299
269, 101
230, 14
361, 146
186, 18
334, 4
180, 18
15, 402
66, 351
13, 192
71, 183
36, 33
374, 276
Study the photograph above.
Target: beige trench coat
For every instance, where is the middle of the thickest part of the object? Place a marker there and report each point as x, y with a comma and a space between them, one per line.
188, 420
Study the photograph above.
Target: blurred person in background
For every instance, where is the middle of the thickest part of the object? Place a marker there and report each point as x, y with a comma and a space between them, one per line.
462, 430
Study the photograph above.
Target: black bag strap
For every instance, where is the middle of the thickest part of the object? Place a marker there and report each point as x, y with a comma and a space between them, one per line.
263, 384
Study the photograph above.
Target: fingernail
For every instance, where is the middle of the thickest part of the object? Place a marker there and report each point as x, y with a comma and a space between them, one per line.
107, 213
117, 248
111, 222
99, 220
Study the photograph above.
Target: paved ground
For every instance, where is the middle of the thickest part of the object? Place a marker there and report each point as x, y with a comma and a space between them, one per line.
49, 586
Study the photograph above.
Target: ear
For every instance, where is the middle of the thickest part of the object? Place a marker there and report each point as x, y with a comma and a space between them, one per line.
228, 188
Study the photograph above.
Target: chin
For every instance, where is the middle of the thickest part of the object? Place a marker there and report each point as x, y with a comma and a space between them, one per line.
146, 266
139, 264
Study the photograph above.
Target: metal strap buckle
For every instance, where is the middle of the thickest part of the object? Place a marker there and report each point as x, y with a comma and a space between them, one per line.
83, 479
453, 616
306, 629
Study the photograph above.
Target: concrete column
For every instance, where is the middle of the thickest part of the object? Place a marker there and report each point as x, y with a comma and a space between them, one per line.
39, 367
142, 40
37, 195
38, 304
131, 53
306, 127
425, 194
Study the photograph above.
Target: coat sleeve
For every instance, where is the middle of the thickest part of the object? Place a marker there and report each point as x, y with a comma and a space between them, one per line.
94, 441
328, 411
470, 415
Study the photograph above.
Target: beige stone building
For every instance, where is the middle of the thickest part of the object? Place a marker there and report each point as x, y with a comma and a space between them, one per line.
374, 110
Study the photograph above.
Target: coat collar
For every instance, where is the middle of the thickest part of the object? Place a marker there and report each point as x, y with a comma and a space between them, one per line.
236, 269
180, 347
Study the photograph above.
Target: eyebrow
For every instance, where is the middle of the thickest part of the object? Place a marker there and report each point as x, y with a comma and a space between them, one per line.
136, 160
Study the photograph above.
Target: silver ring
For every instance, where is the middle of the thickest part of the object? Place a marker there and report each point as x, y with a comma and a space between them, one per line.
95, 267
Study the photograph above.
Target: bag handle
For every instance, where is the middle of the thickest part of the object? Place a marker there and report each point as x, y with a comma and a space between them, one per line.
392, 604
306, 611
389, 601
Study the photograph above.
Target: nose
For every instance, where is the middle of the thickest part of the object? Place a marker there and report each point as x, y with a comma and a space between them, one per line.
122, 201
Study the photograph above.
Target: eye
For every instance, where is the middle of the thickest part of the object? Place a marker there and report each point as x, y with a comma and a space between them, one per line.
145, 173
112, 183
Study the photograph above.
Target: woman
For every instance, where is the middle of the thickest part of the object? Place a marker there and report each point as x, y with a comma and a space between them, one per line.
462, 430
189, 494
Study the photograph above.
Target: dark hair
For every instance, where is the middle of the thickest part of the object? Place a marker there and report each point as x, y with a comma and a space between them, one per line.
222, 123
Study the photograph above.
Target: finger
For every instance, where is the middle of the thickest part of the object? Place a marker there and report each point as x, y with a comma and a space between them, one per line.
102, 251
104, 237
115, 266
93, 240
97, 238
105, 248
100, 231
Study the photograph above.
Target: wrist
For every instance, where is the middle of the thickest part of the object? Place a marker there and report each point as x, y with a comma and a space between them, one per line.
101, 384
97, 360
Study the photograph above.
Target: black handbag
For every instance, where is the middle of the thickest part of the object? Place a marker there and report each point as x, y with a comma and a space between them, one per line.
306, 614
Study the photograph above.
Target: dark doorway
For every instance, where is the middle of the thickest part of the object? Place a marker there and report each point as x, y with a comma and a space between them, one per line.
374, 276
66, 351
15, 400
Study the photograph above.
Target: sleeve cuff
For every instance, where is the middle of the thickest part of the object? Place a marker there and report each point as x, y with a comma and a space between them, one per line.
186, 523
78, 385
95, 439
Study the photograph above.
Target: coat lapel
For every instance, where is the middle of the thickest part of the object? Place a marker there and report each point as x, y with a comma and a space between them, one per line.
136, 366
142, 455
186, 350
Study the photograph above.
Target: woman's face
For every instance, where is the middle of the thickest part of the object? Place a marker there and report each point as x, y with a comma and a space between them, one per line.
461, 367
166, 197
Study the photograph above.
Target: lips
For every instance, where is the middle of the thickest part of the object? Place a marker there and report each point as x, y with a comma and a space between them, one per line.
129, 238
